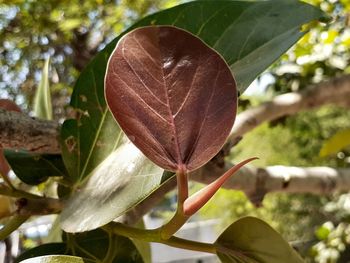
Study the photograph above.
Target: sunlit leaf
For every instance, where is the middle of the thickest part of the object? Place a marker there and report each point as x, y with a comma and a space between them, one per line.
336, 143
173, 96
42, 101
123, 179
251, 240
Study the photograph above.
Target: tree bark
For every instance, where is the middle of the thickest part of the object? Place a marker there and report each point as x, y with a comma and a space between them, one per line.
21, 132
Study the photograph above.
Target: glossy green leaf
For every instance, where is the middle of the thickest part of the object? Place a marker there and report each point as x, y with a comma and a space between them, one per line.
336, 143
33, 168
94, 246
123, 179
249, 35
251, 240
42, 100
56, 259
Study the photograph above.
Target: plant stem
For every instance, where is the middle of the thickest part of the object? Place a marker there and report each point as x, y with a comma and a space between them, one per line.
13, 192
179, 219
7, 180
12, 225
155, 236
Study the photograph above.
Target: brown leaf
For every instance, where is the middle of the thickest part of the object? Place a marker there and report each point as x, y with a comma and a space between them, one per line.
173, 96
10, 106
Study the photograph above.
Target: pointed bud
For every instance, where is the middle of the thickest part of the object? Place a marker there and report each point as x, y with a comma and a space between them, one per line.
199, 199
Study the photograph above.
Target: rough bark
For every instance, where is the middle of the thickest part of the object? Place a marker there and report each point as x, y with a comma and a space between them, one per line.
21, 132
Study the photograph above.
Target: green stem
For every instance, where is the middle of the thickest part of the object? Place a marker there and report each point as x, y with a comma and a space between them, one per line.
155, 236
179, 219
13, 192
12, 225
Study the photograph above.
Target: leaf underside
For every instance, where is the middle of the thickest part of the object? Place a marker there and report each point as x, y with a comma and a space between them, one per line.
251, 240
173, 96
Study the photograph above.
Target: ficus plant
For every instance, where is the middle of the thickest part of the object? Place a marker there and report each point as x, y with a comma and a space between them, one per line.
158, 102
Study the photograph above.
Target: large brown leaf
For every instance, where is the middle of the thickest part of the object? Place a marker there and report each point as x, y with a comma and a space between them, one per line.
173, 96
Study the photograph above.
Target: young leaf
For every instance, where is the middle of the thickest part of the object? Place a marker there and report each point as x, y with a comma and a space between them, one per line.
32, 168
42, 99
174, 97
199, 199
251, 240
122, 180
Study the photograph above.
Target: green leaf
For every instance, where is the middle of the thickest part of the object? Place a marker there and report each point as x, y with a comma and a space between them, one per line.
336, 143
249, 35
42, 100
94, 246
56, 259
251, 240
33, 168
122, 180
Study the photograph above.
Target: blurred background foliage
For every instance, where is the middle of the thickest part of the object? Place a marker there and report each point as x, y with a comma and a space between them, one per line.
71, 32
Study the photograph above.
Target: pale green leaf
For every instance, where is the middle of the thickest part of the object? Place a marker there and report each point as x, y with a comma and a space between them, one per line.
251, 240
42, 100
123, 179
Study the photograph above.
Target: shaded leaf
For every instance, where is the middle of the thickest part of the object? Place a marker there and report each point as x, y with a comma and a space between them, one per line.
103, 246
33, 168
173, 96
42, 100
43, 250
251, 240
56, 259
123, 179
93, 246
336, 143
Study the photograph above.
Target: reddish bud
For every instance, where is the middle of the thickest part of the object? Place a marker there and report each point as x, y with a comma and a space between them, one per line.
199, 199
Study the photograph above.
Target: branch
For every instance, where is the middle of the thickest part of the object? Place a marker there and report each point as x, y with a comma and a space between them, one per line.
21, 132
18, 131
335, 91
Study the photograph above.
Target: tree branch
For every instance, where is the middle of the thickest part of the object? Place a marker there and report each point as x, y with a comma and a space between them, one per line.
256, 182
21, 132
335, 91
